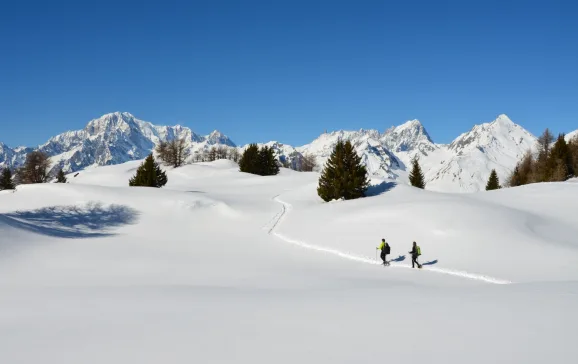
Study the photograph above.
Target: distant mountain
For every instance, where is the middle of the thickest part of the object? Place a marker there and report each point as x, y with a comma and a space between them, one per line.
466, 163
461, 166
378, 159
111, 139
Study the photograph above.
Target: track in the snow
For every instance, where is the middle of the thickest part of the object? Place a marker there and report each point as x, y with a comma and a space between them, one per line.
285, 207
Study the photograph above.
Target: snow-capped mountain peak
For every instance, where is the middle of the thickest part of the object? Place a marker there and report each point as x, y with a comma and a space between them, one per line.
500, 133
503, 119
108, 122
408, 138
216, 137
469, 159
111, 139
463, 165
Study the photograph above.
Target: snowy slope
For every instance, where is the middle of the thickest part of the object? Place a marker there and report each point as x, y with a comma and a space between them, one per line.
571, 135
222, 266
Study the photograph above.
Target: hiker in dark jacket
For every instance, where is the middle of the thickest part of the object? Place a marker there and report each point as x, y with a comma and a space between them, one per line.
385, 250
415, 253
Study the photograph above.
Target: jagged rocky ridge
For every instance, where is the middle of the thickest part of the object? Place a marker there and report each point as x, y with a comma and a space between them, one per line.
461, 166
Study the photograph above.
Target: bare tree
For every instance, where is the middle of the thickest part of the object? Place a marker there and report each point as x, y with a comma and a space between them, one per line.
174, 152
212, 154
308, 163
205, 155
35, 169
221, 152
197, 156
234, 155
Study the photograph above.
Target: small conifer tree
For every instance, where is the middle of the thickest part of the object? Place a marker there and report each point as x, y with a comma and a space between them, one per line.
60, 177
149, 174
344, 176
416, 177
6, 182
493, 181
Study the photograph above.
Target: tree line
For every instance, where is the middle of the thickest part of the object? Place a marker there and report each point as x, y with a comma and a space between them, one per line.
554, 161
36, 169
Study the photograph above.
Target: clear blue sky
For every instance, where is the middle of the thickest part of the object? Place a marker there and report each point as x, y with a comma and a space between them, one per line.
287, 70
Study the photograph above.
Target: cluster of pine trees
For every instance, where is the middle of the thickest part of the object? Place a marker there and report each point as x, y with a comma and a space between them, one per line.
260, 161
554, 161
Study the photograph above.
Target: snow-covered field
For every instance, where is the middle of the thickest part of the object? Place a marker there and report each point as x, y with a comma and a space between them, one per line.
225, 267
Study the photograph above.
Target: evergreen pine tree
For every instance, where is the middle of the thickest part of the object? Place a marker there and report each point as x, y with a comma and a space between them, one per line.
60, 177
493, 181
6, 180
267, 162
250, 159
416, 177
357, 180
149, 174
344, 176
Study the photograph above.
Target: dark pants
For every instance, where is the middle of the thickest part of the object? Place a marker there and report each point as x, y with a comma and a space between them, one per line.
383, 257
414, 261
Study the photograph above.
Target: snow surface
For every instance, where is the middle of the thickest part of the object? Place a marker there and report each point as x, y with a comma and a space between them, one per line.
221, 266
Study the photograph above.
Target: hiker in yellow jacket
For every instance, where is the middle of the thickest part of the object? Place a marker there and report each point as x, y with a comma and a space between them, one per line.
415, 253
385, 249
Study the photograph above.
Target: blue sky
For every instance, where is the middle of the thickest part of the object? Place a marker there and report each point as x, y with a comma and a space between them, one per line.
287, 70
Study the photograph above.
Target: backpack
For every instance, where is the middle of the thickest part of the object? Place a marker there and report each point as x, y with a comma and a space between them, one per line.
387, 249
418, 250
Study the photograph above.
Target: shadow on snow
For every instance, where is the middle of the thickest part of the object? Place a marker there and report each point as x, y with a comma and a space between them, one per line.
378, 189
72, 222
432, 262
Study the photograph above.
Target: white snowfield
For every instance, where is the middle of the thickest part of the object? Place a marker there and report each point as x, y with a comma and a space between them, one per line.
225, 267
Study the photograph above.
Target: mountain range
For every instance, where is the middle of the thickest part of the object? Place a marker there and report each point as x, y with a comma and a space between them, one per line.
461, 166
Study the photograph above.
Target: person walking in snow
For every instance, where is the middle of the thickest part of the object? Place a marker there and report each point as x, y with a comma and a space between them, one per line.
385, 250
415, 253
